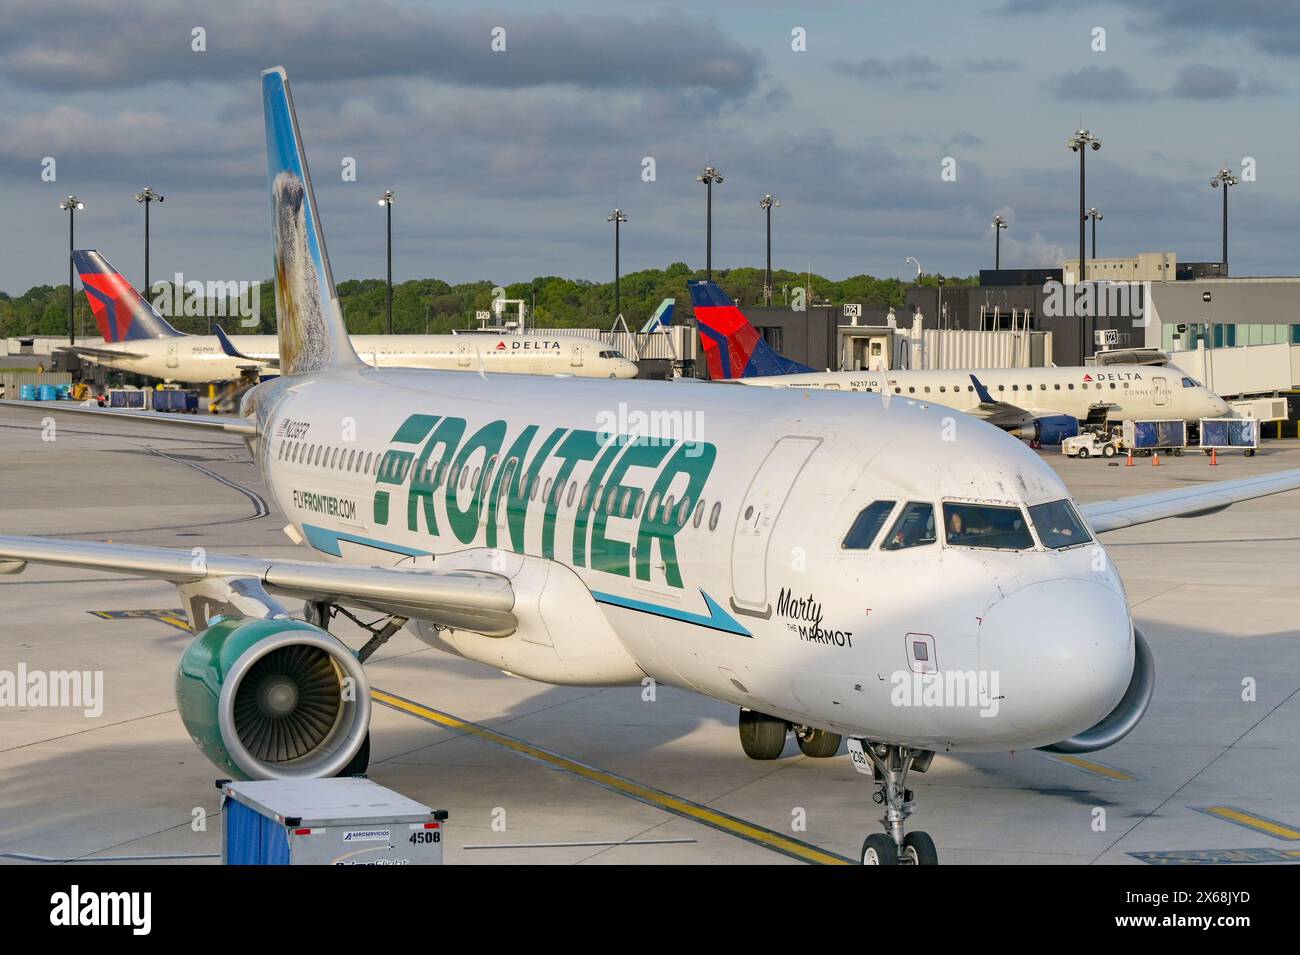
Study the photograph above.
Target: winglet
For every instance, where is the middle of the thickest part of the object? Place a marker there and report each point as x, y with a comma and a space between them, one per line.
228, 348
982, 391
313, 336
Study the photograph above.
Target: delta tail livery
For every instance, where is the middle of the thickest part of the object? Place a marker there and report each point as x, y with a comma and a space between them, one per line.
1045, 403
138, 339
565, 532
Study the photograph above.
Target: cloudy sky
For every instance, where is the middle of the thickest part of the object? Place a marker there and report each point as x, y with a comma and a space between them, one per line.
505, 164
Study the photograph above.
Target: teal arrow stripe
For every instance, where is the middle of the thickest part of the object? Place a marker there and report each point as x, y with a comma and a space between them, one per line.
715, 619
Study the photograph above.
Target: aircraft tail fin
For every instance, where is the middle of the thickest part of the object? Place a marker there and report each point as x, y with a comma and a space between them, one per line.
312, 334
122, 313
663, 316
733, 347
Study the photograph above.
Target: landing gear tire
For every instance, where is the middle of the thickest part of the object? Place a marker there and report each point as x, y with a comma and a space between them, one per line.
918, 849
890, 765
879, 849
360, 762
816, 743
1083, 453
761, 736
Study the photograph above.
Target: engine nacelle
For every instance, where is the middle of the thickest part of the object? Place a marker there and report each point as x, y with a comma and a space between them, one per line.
1128, 712
1049, 430
273, 699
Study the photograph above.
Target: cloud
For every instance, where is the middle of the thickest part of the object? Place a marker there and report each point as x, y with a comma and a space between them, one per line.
1096, 82
1205, 82
146, 41
963, 139
1267, 25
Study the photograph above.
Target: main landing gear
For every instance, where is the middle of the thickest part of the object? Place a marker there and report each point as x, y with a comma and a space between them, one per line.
890, 765
763, 737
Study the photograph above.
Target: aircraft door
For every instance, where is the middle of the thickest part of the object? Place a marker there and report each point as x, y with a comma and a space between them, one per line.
1160, 390
172, 358
462, 353
576, 361
757, 517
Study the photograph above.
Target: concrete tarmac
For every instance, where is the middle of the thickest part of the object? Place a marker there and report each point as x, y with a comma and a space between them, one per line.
604, 775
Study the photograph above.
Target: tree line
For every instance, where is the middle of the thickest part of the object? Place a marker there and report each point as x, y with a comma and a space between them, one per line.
435, 306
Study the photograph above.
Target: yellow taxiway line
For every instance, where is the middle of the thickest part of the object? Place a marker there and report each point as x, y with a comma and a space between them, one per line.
713, 818
1090, 766
1263, 824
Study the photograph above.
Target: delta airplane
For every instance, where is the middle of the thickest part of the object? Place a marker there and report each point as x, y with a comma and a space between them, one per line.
138, 339
947, 596
1045, 404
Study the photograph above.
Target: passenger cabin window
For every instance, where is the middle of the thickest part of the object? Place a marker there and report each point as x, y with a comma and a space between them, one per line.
914, 527
866, 526
1058, 525
986, 525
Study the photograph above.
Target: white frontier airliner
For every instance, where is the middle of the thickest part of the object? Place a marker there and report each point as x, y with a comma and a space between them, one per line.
1043, 403
506, 521
138, 339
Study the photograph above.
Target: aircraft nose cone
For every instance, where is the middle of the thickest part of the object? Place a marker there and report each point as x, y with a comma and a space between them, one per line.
1062, 652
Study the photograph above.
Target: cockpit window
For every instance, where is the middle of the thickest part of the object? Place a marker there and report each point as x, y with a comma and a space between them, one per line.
914, 527
986, 525
610, 354
1190, 383
1058, 525
867, 525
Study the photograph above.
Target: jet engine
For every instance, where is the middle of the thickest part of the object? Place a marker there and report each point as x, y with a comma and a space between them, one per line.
1127, 712
273, 698
1049, 430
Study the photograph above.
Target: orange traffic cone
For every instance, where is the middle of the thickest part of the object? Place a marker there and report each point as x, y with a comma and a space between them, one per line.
1214, 456
1155, 459
1130, 458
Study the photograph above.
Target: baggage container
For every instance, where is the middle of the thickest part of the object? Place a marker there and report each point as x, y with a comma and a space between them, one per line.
1155, 435
1223, 434
350, 821
128, 398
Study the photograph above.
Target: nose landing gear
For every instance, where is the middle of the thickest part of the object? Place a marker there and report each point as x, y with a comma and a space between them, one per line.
889, 767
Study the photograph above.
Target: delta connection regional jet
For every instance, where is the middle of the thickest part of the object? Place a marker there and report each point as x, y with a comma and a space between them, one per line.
1042, 403
498, 521
139, 340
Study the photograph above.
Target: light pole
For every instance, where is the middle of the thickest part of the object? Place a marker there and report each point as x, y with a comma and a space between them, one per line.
939, 321
387, 200
709, 177
1225, 178
766, 203
71, 204
1094, 214
999, 224
148, 197
618, 217
1080, 143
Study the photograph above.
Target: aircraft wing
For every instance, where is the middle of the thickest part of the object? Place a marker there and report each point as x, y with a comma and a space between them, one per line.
1185, 502
468, 600
209, 422
91, 352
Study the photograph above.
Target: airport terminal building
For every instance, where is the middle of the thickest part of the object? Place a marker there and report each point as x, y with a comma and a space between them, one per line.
1241, 336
